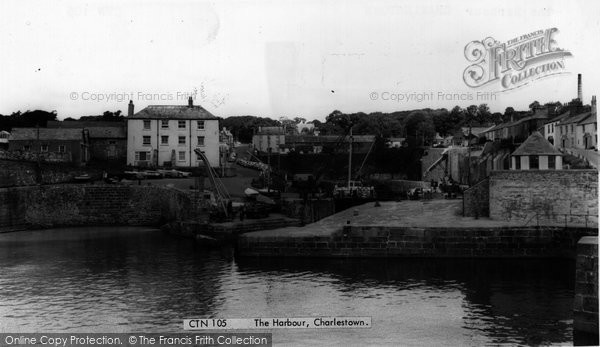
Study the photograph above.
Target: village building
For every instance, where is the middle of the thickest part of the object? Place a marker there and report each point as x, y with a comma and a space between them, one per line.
108, 140
551, 128
516, 131
305, 128
226, 137
536, 153
4, 135
71, 145
269, 139
328, 143
167, 135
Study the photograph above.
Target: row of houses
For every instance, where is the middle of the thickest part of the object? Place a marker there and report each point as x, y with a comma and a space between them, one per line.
573, 128
158, 135
279, 140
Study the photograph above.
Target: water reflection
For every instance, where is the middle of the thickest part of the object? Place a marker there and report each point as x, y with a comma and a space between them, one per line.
137, 279
509, 301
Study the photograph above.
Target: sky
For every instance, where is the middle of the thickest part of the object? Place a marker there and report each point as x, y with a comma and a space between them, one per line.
278, 58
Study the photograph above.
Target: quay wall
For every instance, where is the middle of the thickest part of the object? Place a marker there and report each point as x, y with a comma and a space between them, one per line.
585, 306
375, 241
565, 196
477, 200
87, 204
308, 211
26, 173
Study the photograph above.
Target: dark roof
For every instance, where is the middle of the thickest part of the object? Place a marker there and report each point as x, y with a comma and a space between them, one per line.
539, 114
327, 138
45, 134
83, 124
575, 119
560, 117
590, 119
173, 112
536, 144
107, 132
271, 131
96, 129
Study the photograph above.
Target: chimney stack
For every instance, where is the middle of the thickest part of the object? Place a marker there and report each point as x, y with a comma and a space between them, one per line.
579, 96
130, 109
190, 102
593, 104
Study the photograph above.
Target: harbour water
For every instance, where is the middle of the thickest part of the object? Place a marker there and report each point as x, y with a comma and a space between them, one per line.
123, 279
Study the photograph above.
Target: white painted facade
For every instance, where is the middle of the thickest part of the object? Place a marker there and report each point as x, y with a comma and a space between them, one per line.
154, 142
523, 162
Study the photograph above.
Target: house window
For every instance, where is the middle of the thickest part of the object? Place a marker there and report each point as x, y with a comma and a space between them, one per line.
200, 140
146, 140
181, 156
62, 148
164, 140
181, 124
200, 125
517, 163
44, 148
571, 127
181, 140
146, 124
142, 156
534, 162
551, 162
26, 148
164, 124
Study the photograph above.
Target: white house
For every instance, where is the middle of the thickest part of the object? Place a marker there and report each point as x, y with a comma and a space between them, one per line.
4, 135
269, 138
536, 153
552, 129
167, 136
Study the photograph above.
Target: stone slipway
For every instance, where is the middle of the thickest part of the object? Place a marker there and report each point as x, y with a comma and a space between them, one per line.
433, 228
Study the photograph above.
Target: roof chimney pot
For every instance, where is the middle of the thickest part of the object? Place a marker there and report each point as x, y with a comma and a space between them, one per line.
579, 96
130, 108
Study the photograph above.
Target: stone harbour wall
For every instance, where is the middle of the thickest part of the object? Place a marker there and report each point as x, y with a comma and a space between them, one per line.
477, 200
560, 196
25, 173
373, 241
82, 204
585, 306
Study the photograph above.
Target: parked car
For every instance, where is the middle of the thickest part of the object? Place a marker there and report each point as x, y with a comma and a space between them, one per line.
133, 175
152, 174
171, 173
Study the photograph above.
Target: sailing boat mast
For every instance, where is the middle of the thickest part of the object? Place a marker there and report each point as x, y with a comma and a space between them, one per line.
350, 159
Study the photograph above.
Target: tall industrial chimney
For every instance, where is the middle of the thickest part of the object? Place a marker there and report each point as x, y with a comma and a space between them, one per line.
130, 108
579, 96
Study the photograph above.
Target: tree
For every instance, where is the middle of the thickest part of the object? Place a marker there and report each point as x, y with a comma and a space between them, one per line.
534, 105
508, 114
419, 128
444, 122
483, 113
